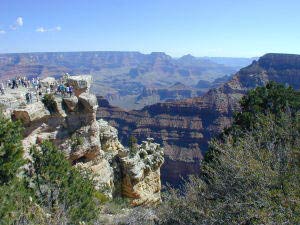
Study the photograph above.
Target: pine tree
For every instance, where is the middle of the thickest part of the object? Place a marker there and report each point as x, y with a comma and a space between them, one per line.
61, 187
11, 150
132, 142
272, 99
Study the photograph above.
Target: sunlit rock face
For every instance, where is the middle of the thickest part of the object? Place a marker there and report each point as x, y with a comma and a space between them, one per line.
31, 113
141, 167
80, 83
93, 144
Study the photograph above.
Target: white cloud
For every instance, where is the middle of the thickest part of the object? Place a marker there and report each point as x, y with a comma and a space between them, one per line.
2, 32
19, 23
43, 30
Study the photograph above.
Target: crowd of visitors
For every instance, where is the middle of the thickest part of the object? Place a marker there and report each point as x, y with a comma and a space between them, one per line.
19, 82
36, 88
65, 90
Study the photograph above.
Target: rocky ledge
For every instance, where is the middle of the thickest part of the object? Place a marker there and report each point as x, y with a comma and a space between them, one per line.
72, 126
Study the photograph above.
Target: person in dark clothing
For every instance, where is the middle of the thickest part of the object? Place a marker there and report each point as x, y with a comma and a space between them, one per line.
71, 90
27, 97
14, 84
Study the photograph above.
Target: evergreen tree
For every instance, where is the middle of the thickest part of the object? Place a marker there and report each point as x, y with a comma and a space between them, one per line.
11, 150
132, 142
14, 195
272, 99
17, 205
50, 185
61, 187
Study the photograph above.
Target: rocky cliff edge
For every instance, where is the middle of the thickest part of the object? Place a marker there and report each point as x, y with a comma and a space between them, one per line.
72, 126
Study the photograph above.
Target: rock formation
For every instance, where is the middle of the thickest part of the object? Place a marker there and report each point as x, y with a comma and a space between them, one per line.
80, 83
94, 144
141, 180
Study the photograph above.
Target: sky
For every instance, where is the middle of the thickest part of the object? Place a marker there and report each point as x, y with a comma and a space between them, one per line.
232, 28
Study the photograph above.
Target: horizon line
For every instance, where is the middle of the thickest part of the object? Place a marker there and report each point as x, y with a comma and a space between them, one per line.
134, 51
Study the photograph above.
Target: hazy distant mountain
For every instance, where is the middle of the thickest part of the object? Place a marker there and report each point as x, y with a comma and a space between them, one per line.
123, 77
232, 61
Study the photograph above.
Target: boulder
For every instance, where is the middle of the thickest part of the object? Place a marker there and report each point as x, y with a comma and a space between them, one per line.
84, 144
103, 175
31, 113
80, 83
88, 102
141, 169
71, 103
46, 82
109, 137
59, 110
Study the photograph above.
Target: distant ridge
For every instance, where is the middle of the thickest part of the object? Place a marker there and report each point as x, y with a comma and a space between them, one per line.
119, 76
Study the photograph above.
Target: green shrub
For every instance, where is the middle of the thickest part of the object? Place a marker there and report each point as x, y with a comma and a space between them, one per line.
272, 99
76, 140
59, 185
101, 197
50, 103
48, 190
133, 145
116, 206
11, 149
2, 108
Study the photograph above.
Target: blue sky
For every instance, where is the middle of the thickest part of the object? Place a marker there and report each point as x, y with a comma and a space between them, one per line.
200, 27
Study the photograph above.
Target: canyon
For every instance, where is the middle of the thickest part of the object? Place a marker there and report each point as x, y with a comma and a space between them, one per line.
124, 77
185, 127
187, 116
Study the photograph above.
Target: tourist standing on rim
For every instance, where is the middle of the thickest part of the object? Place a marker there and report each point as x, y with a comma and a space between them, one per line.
71, 90
14, 84
2, 88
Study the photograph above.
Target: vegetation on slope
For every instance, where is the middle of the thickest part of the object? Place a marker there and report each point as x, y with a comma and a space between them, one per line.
45, 189
11, 151
252, 174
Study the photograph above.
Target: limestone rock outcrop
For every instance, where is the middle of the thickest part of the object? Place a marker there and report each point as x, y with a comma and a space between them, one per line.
89, 102
94, 144
141, 180
109, 137
71, 103
46, 82
31, 113
80, 83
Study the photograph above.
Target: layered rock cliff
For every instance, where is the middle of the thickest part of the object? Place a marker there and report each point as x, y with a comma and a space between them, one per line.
71, 124
177, 91
185, 127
